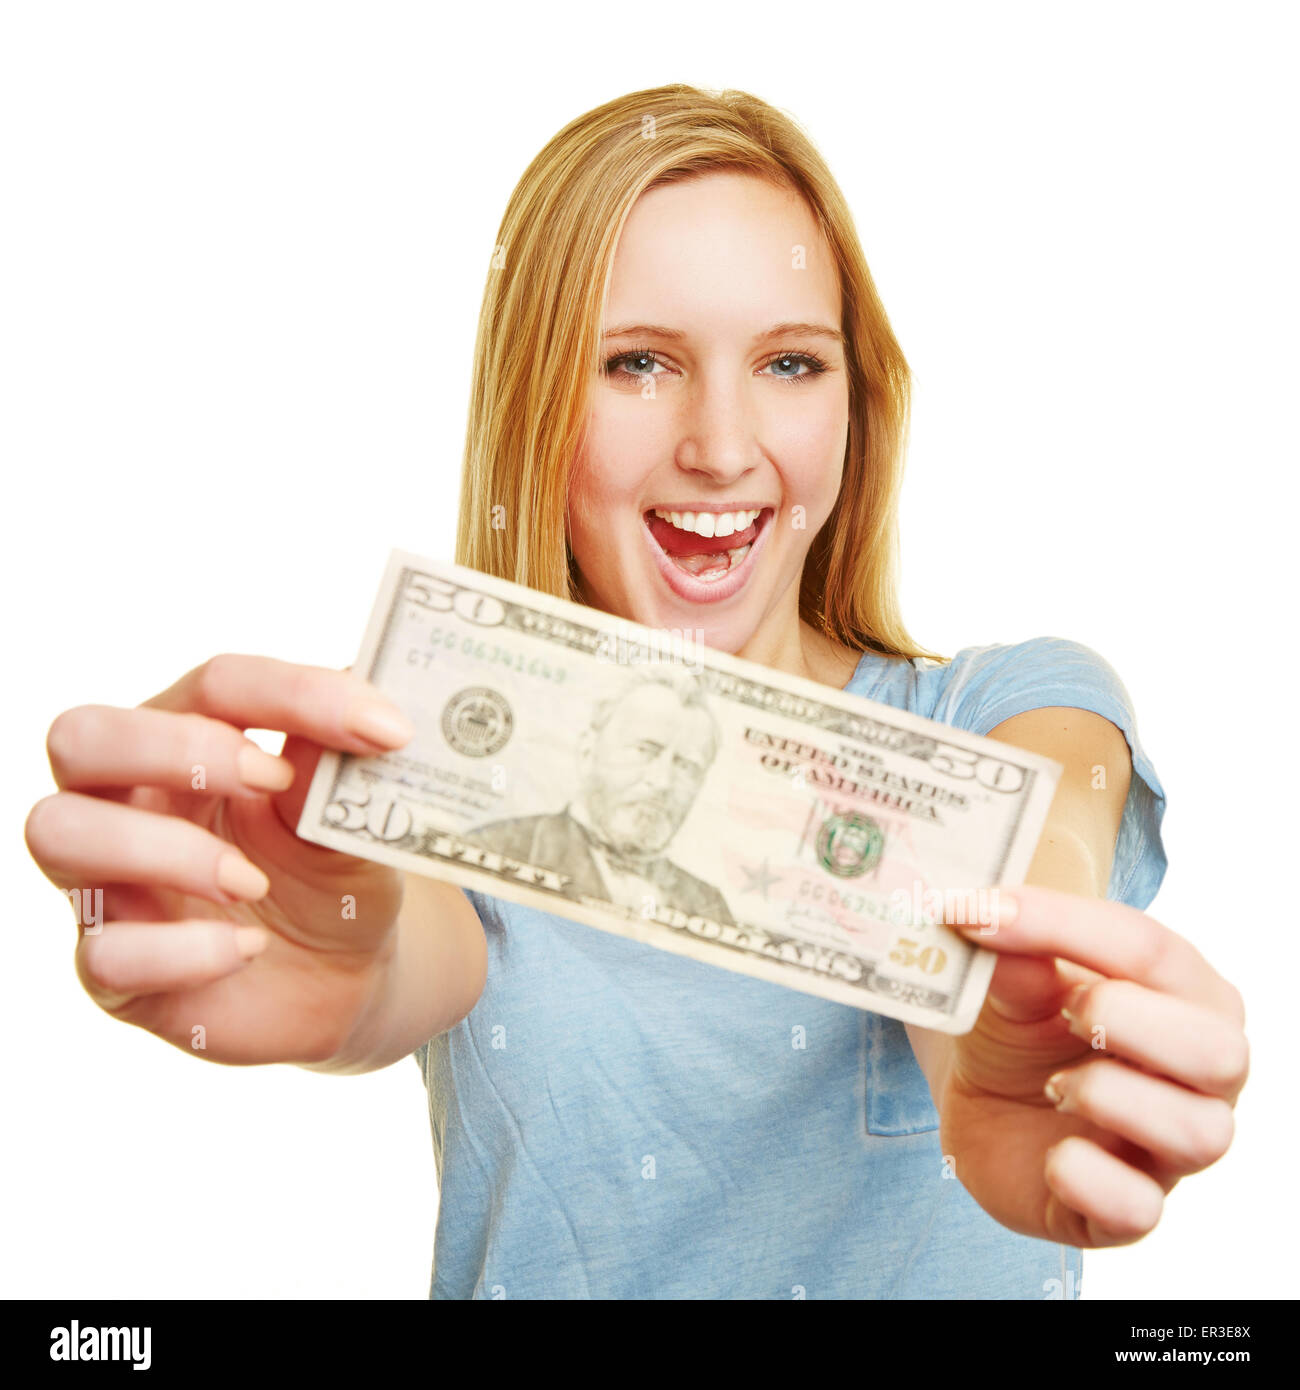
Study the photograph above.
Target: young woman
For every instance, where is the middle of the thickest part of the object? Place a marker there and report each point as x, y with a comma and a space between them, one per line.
688, 409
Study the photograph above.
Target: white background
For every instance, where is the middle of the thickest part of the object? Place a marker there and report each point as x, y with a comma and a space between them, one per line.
241, 255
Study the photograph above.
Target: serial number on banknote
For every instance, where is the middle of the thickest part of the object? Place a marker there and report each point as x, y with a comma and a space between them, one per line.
487, 652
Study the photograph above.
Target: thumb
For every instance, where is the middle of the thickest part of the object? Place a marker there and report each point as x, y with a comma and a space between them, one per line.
1026, 988
303, 755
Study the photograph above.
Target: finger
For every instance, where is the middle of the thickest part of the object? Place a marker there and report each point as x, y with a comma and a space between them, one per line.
82, 840
1109, 937
130, 959
1097, 1199
1026, 988
302, 755
1184, 1130
99, 746
333, 708
1173, 1037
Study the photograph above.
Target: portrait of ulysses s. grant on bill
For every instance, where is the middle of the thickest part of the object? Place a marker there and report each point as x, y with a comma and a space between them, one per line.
640, 762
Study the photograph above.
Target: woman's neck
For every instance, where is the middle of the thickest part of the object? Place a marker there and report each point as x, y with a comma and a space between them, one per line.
803, 651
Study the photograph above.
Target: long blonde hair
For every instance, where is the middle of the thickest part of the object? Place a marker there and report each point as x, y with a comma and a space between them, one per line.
537, 350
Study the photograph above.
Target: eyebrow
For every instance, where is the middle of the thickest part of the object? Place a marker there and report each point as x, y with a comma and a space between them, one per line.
777, 330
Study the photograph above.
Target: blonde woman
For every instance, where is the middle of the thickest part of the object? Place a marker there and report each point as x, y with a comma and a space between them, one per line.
688, 400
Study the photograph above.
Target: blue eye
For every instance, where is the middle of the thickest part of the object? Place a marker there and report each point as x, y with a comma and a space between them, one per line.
614, 367
798, 359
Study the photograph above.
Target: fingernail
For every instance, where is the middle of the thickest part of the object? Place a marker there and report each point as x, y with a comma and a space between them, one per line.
380, 724
1053, 1090
261, 771
251, 941
239, 878
1071, 1006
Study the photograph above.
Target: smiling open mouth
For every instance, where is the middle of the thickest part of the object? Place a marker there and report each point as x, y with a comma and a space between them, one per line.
707, 545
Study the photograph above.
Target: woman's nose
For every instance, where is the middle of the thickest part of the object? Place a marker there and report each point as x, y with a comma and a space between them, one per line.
718, 433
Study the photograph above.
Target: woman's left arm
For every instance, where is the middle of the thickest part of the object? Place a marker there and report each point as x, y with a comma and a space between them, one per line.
1073, 1128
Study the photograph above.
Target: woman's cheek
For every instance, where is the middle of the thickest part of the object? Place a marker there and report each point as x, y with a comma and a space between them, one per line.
581, 506
594, 506
814, 467
619, 452
813, 491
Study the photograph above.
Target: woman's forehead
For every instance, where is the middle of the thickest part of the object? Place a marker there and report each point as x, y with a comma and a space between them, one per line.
725, 240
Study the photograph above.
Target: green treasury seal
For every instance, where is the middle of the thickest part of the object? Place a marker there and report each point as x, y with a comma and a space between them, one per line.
849, 845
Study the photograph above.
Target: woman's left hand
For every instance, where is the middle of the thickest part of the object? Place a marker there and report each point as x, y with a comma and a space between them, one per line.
1147, 1068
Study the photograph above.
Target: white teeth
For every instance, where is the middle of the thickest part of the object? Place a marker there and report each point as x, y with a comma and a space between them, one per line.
710, 524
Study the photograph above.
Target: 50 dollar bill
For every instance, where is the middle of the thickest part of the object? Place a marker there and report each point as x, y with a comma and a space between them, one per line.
645, 785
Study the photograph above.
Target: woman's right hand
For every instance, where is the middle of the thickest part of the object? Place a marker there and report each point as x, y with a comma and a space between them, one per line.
221, 930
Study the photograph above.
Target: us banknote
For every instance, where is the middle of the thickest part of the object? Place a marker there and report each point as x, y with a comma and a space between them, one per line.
639, 782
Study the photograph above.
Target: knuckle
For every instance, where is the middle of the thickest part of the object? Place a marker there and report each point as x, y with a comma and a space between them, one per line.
1229, 1064
302, 685
1235, 1003
1243, 1061
69, 735
1146, 1218
213, 676
97, 965
1139, 1214
1099, 1002
1149, 946
46, 825
1210, 1136
351, 685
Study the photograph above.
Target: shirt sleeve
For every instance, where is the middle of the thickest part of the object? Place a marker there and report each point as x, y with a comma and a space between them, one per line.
986, 685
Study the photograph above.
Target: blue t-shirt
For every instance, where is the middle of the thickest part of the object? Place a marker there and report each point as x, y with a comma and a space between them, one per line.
616, 1121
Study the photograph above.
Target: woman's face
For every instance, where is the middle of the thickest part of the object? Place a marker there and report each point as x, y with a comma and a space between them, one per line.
723, 392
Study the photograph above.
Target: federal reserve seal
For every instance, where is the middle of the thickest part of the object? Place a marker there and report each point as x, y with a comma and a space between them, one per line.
477, 721
849, 845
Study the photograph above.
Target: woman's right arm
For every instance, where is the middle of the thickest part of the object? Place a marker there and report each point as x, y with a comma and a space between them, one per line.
221, 931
